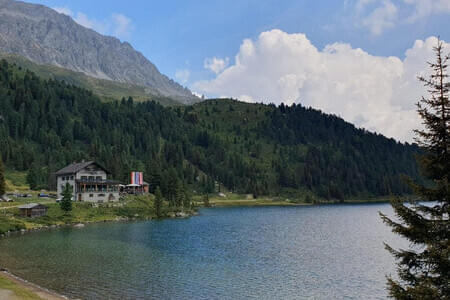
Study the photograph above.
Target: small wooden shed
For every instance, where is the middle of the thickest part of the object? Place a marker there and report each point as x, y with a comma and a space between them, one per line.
33, 210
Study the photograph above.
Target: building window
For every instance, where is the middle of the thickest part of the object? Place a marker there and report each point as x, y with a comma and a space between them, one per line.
71, 177
91, 195
84, 178
101, 195
91, 178
99, 178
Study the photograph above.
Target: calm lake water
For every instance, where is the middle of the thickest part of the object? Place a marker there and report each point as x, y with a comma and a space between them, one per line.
317, 252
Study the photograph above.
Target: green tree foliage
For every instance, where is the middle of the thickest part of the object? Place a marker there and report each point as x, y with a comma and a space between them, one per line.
186, 199
154, 175
158, 202
179, 194
206, 200
37, 177
66, 201
424, 271
250, 148
263, 149
2, 178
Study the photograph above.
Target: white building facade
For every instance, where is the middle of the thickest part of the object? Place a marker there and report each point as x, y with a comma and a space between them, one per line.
89, 182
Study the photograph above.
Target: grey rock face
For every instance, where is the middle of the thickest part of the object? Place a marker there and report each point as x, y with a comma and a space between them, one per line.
48, 37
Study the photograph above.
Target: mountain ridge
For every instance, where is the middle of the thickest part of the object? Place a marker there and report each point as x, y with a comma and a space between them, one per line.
45, 36
107, 90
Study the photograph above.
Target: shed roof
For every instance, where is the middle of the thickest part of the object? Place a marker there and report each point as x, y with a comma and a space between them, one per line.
31, 205
75, 167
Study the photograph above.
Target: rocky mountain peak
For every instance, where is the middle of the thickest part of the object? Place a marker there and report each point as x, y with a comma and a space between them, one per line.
47, 37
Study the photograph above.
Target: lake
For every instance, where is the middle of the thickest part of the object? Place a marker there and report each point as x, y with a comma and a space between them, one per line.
303, 252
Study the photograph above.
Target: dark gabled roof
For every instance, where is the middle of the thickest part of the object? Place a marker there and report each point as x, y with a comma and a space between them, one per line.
75, 167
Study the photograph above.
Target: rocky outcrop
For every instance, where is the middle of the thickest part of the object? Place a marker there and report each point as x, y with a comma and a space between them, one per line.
48, 37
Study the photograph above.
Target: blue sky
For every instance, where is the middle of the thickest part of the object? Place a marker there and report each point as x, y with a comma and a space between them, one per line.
179, 35
196, 42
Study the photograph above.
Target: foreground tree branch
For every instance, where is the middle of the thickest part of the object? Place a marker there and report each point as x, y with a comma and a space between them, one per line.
424, 270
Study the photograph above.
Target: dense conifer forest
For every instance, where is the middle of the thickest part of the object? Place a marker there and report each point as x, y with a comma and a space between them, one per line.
245, 148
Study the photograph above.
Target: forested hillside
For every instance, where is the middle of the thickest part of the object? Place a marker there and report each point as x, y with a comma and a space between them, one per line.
107, 90
248, 148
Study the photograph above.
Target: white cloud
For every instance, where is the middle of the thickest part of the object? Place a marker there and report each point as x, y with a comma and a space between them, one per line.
215, 64
122, 25
182, 75
424, 8
381, 18
117, 25
377, 93
64, 10
84, 20
380, 15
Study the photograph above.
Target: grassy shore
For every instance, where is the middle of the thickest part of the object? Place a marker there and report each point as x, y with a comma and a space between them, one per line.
131, 208
14, 288
230, 199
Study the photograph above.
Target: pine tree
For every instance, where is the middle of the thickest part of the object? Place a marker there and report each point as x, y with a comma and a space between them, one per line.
186, 199
2, 179
155, 176
172, 186
66, 202
424, 271
206, 200
158, 202
179, 194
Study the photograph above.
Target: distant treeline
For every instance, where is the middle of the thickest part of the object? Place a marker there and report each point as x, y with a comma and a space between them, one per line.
247, 148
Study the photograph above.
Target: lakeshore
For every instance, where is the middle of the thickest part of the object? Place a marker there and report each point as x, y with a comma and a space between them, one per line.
135, 208
16, 288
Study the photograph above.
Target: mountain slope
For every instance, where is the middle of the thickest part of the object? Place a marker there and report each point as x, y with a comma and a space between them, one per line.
249, 148
107, 90
44, 36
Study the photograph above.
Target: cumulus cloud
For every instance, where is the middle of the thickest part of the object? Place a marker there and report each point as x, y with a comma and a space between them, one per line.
182, 75
377, 93
215, 64
117, 25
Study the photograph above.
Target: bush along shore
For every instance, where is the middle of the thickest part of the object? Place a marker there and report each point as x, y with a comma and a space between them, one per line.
132, 208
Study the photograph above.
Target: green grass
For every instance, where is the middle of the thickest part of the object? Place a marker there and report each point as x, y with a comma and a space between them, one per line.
290, 198
16, 180
133, 207
19, 292
9, 223
232, 199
